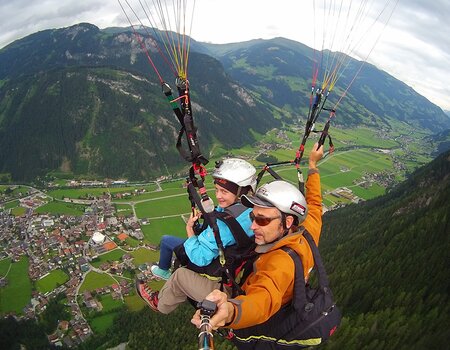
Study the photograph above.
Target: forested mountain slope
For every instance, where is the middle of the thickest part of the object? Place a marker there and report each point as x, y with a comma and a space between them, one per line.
388, 264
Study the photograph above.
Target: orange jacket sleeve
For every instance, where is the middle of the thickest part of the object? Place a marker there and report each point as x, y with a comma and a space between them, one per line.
313, 221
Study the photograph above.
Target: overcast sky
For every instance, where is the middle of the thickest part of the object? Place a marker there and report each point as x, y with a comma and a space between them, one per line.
414, 47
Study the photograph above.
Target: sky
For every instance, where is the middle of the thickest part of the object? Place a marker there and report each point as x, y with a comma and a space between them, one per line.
414, 46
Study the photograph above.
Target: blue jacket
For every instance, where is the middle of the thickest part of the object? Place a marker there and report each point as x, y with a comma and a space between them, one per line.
202, 249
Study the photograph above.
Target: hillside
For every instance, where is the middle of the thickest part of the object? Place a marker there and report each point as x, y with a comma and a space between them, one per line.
387, 259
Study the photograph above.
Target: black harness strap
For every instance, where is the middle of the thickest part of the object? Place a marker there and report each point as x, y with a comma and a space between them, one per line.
184, 116
299, 301
242, 240
229, 218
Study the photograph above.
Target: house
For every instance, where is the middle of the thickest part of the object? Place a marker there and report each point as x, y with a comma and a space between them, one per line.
63, 325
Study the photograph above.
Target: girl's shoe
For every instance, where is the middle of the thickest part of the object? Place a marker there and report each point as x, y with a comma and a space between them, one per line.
160, 273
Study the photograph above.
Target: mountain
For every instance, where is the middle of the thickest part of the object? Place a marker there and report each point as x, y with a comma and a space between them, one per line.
442, 139
84, 101
280, 71
387, 260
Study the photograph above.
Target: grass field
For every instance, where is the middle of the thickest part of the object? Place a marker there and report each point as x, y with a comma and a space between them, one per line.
77, 193
61, 208
174, 226
18, 211
109, 303
4, 266
51, 281
96, 280
123, 209
17, 294
152, 195
11, 205
17, 191
167, 206
144, 255
113, 255
134, 302
132, 242
374, 191
100, 324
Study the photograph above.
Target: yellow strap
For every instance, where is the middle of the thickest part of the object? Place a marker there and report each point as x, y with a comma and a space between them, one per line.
304, 342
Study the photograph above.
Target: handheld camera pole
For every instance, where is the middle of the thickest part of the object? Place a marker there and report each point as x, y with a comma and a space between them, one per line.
205, 337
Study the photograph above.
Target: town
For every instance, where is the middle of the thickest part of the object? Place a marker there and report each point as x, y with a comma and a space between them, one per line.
71, 246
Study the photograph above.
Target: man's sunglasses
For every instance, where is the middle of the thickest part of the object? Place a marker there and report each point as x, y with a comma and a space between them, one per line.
262, 220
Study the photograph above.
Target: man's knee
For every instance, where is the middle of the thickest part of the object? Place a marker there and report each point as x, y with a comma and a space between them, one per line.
182, 276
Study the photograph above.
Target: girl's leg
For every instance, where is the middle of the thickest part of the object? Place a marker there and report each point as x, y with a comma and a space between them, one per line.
167, 245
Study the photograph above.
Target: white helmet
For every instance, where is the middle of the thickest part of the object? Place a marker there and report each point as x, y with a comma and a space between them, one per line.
281, 195
237, 171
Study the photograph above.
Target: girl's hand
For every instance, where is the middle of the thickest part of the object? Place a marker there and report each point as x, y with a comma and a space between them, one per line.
195, 215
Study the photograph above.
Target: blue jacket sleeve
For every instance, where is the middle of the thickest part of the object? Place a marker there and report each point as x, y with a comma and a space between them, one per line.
202, 249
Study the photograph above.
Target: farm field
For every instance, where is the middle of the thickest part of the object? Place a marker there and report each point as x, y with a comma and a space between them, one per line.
353, 158
132, 242
16, 191
17, 294
12, 204
51, 281
18, 211
77, 193
109, 303
174, 226
113, 255
144, 255
152, 195
134, 302
96, 280
123, 209
166, 206
4, 266
61, 208
101, 323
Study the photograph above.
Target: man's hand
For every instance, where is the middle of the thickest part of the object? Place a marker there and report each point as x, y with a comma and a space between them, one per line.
315, 155
224, 313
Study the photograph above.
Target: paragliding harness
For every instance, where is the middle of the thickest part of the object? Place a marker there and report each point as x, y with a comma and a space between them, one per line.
310, 319
235, 265
184, 116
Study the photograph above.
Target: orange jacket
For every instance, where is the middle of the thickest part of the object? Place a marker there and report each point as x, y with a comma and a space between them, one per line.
271, 283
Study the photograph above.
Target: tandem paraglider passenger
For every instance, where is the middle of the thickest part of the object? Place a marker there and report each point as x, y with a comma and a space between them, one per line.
233, 177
